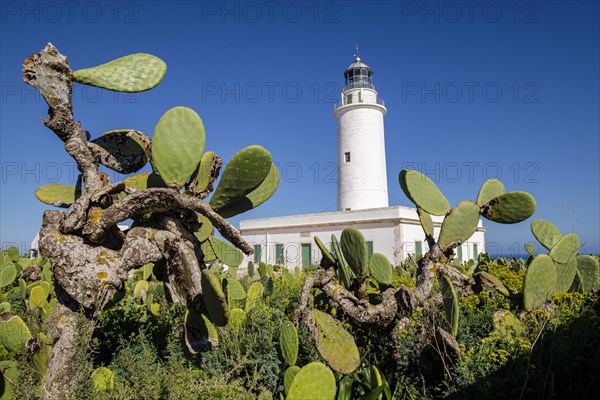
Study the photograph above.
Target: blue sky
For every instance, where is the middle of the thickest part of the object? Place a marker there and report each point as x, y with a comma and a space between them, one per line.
474, 90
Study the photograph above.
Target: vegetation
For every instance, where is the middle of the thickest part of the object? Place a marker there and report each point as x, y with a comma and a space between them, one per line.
160, 311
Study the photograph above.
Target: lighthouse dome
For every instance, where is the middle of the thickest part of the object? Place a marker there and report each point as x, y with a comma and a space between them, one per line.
358, 75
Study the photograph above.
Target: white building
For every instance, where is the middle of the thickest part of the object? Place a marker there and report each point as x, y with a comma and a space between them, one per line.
362, 196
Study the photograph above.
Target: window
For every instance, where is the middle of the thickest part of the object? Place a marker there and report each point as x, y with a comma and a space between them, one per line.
306, 255
349, 99
279, 254
418, 248
347, 156
459, 253
475, 251
257, 253
369, 249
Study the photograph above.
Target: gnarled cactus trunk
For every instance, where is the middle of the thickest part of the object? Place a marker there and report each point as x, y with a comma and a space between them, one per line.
91, 258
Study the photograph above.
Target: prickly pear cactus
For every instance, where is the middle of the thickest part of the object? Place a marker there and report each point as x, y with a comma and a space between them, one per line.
490, 189
103, 378
8, 274
451, 307
423, 192
545, 232
335, 344
237, 319
14, 333
288, 342
177, 145
256, 197
565, 249
588, 269
426, 222
56, 194
214, 298
246, 170
510, 208
381, 269
314, 381
254, 295
132, 73
354, 247
288, 377
459, 225
540, 281
326, 254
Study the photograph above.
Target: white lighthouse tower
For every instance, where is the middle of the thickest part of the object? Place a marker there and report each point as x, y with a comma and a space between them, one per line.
362, 177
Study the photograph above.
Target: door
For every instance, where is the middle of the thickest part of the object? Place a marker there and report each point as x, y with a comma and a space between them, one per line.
305, 255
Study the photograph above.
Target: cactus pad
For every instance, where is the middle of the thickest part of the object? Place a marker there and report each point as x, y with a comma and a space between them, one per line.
459, 225
288, 342
103, 378
246, 170
326, 254
530, 248
200, 333
235, 290
214, 298
288, 377
354, 247
540, 281
565, 249
56, 194
177, 145
426, 222
256, 197
237, 318
14, 333
344, 273
545, 232
380, 269
587, 266
507, 324
451, 308
38, 296
510, 208
226, 253
140, 290
5, 307
495, 282
143, 181
565, 274
125, 150
132, 73
204, 171
8, 274
335, 344
314, 381
254, 295
490, 189
423, 192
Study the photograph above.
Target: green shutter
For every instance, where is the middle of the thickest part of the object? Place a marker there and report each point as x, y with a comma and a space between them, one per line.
475, 251
459, 252
306, 255
418, 248
279, 253
369, 250
257, 255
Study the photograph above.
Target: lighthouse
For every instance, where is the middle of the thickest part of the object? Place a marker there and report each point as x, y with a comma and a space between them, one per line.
362, 177
362, 195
